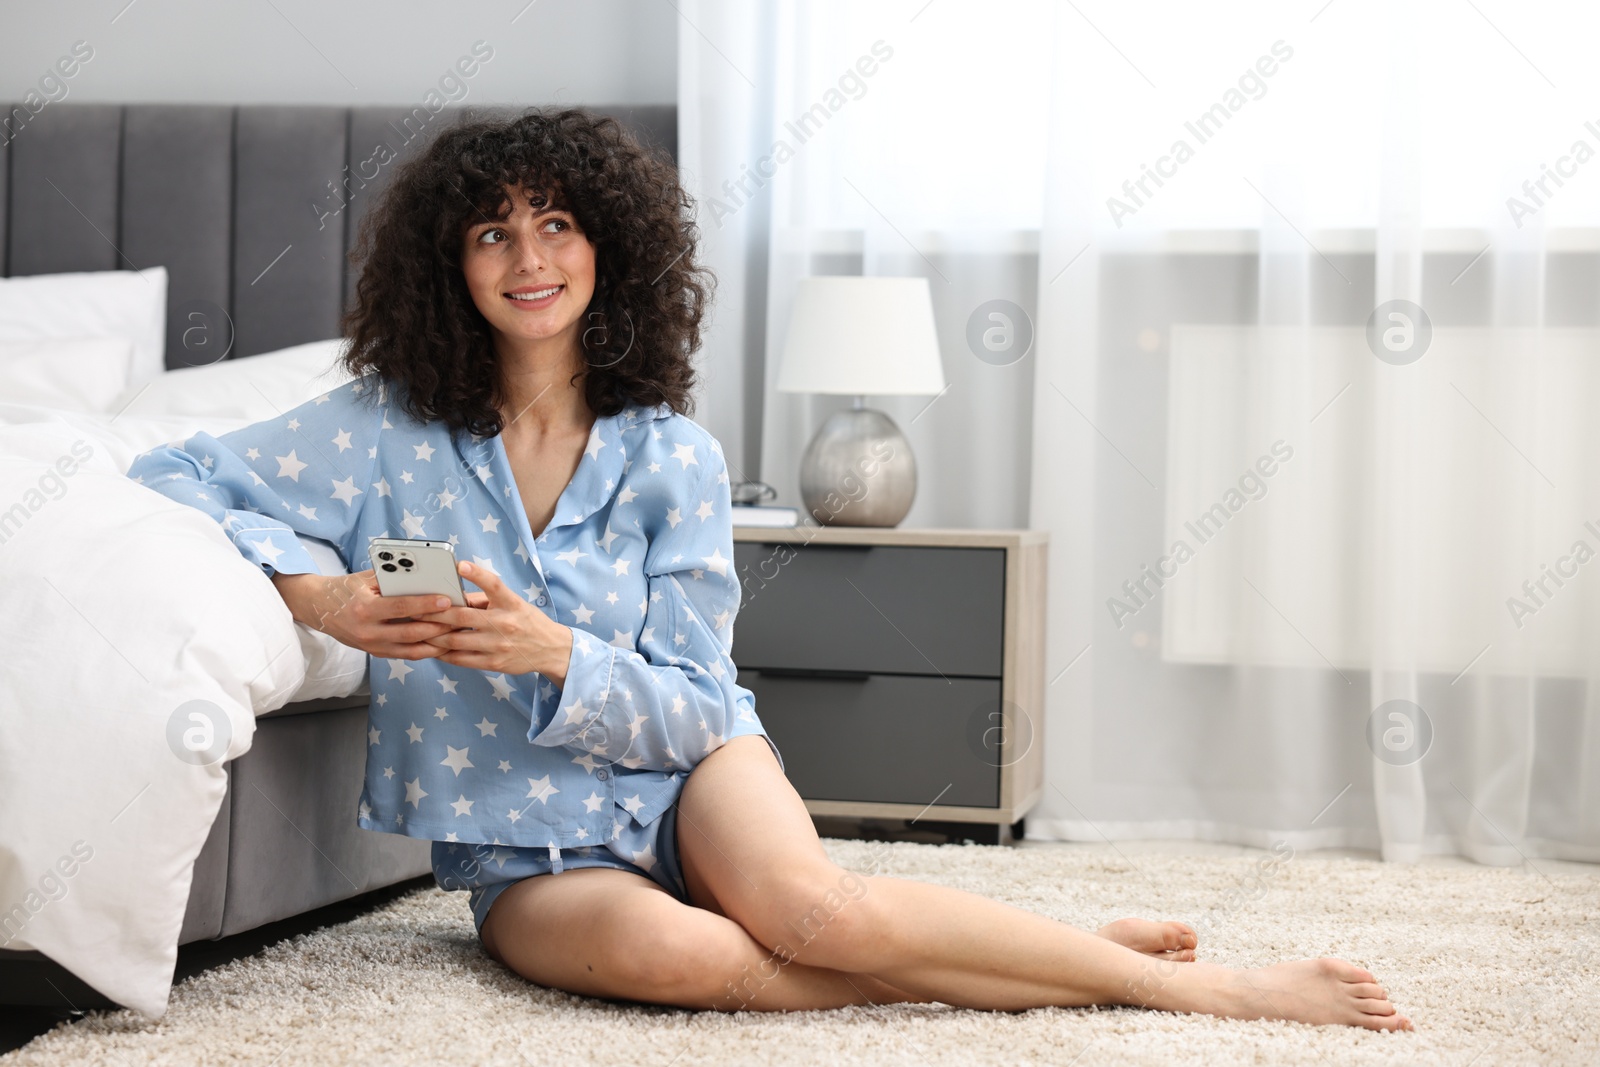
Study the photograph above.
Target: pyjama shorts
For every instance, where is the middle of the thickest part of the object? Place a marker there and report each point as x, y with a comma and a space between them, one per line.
488, 870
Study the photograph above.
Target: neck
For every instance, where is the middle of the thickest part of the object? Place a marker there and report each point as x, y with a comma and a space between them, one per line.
542, 398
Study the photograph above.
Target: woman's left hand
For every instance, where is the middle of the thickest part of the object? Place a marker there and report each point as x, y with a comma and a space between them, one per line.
500, 632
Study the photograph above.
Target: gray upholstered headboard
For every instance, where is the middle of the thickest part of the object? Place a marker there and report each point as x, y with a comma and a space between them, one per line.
250, 208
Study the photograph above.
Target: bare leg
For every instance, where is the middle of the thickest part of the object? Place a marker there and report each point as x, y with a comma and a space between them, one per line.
602, 932
746, 841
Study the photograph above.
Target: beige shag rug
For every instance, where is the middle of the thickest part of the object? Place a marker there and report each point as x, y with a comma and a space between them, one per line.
1494, 967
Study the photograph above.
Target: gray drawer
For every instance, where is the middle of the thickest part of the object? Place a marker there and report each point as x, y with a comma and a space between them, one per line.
886, 738
880, 608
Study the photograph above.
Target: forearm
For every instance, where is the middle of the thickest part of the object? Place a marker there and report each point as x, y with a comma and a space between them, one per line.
307, 596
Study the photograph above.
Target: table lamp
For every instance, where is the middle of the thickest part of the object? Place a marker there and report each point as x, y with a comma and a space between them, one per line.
860, 337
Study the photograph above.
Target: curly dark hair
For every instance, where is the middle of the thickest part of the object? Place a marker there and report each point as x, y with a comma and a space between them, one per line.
413, 320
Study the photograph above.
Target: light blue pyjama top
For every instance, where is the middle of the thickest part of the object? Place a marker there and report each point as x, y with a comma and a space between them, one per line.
637, 560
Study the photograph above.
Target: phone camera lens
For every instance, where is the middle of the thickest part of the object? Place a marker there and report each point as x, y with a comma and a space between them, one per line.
405, 563
386, 556
390, 567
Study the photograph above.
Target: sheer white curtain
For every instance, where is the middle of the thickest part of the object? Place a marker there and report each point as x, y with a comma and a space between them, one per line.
1305, 586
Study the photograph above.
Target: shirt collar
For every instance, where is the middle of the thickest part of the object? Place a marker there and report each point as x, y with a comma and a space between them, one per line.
595, 481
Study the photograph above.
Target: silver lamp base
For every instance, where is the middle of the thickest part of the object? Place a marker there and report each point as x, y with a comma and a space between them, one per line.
858, 471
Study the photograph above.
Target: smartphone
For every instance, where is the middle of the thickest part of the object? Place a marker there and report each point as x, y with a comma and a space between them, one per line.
414, 568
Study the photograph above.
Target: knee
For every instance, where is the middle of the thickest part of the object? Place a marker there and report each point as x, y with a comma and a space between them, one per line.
827, 909
673, 957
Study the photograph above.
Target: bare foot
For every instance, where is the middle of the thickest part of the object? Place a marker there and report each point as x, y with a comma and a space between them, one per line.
1165, 941
1320, 991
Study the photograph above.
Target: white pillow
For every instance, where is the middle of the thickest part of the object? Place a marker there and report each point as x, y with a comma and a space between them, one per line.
71, 373
252, 388
111, 303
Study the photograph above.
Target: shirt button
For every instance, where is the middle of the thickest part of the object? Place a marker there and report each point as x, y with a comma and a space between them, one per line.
602, 776
540, 601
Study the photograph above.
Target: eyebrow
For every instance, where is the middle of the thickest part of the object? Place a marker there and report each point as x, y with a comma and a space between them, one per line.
547, 210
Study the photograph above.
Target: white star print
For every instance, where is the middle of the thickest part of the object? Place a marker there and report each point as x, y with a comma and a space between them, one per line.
346, 490
705, 510
593, 802
462, 805
491, 525
456, 760
620, 567
415, 733
626, 496
398, 669
412, 524
252, 453
541, 790
645, 859
685, 455
440, 714
342, 439
487, 728
571, 556
673, 518
611, 535
415, 793
582, 614
373, 735
267, 549
592, 450
447, 499
717, 562
424, 452
447, 684
290, 466
382, 486
502, 688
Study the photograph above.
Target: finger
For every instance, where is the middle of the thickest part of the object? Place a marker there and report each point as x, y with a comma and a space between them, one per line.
418, 650
489, 582
457, 618
409, 632
464, 641
399, 607
473, 660
477, 600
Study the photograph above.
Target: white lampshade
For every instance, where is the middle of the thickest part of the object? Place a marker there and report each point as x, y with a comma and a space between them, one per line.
866, 336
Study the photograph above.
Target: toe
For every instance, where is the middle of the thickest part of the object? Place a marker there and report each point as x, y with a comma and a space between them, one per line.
1368, 1006
1349, 972
1367, 991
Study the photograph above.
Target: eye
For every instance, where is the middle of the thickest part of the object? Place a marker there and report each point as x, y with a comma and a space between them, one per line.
562, 224
486, 233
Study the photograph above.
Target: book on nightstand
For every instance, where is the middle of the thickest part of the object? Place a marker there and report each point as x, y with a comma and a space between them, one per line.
765, 515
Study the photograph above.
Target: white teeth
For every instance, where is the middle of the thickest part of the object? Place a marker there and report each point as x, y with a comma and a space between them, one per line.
540, 295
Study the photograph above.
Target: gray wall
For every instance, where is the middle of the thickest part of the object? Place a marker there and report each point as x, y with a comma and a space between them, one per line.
344, 52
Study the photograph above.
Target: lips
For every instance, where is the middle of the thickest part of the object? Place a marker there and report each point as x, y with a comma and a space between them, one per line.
533, 298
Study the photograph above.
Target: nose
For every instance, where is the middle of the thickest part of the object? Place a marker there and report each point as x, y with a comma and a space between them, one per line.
528, 254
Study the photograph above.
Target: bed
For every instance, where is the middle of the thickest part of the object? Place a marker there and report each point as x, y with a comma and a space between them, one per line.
122, 836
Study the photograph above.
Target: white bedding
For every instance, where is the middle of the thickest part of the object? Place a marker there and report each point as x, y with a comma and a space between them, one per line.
119, 611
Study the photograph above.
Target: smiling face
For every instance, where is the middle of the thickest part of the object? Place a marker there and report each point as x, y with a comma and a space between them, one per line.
531, 274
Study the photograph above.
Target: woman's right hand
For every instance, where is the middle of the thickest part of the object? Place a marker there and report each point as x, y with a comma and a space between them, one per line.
349, 608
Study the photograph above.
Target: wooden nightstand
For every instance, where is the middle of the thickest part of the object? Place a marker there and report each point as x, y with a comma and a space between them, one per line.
900, 671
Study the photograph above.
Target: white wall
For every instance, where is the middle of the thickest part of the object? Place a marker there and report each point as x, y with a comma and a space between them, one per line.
344, 51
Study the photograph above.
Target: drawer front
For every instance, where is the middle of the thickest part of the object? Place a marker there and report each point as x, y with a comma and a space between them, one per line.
878, 608
889, 739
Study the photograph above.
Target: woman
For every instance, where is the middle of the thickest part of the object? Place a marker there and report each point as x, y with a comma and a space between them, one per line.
521, 339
